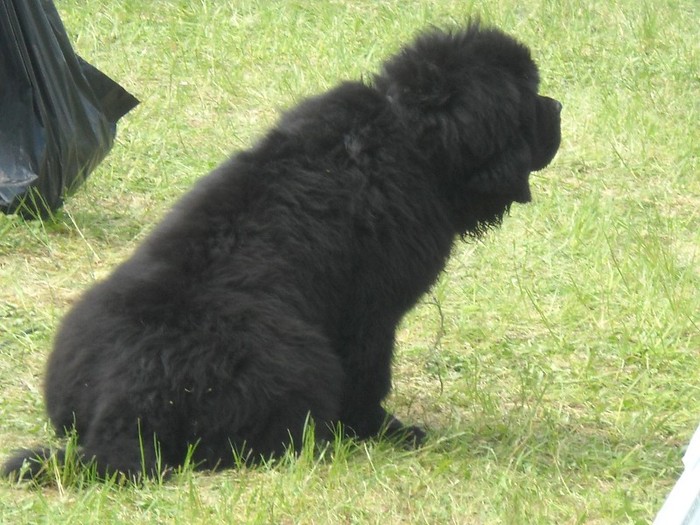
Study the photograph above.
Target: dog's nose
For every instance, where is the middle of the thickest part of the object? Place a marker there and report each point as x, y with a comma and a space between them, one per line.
552, 102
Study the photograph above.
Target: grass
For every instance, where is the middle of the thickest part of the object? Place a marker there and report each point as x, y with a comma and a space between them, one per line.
556, 363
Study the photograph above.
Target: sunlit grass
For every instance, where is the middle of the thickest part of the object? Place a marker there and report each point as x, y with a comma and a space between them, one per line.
555, 364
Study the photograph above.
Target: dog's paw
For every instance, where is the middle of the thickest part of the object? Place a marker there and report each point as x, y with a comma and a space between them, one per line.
412, 437
409, 436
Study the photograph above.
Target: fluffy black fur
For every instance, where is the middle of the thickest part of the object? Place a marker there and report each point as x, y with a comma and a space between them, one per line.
272, 291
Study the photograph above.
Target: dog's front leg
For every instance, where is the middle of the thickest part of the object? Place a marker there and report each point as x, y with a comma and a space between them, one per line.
367, 366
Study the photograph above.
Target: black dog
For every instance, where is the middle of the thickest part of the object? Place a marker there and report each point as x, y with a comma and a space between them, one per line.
271, 293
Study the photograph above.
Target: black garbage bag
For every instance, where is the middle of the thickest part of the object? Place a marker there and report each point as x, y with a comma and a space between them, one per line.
58, 114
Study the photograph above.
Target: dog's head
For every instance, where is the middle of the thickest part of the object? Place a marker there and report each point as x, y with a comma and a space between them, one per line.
470, 100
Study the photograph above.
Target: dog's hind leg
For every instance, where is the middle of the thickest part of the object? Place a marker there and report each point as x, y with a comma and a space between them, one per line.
255, 395
289, 425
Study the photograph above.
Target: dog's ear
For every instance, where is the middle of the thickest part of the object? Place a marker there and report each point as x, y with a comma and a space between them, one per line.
419, 78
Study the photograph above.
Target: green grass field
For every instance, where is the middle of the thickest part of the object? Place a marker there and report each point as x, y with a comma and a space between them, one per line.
556, 363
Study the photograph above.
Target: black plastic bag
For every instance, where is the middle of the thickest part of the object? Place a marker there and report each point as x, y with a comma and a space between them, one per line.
58, 114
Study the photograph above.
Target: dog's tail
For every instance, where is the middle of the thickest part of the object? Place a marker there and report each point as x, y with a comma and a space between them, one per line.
32, 463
